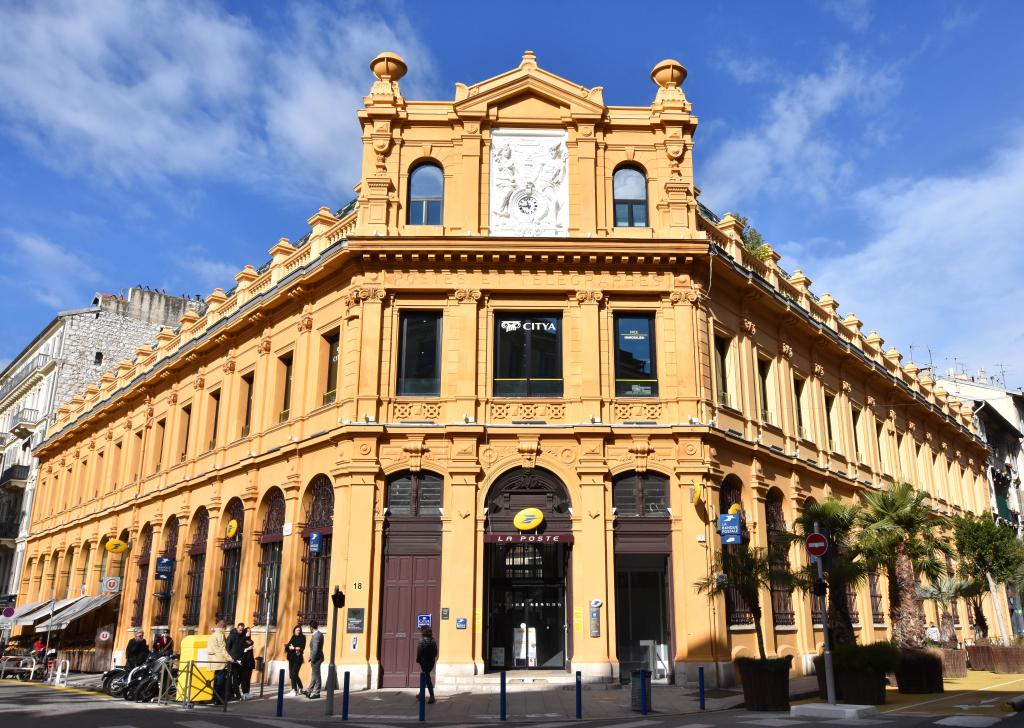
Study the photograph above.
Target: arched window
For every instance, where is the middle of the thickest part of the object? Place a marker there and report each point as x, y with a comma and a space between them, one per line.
731, 493
84, 560
65, 573
782, 597
640, 494
145, 549
196, 568
231, 566
415, 494
165, 572
629, 188
271, 543
317, 533
426, 195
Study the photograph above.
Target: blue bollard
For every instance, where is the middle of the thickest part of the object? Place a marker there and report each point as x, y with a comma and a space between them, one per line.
503, 706
280, 693
423, 700
700, 684
643, 692
579, 695
344, 699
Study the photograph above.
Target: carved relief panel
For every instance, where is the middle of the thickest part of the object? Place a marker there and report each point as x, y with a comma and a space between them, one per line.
529, 183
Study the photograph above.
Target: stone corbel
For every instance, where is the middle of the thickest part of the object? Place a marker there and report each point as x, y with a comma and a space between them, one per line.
364, 293
641, 451
306, 319
264, 346
415, 450
589, 296
528, 451
467, 295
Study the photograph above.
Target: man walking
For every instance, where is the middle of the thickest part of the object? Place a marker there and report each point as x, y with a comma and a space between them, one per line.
316, 659
426, 658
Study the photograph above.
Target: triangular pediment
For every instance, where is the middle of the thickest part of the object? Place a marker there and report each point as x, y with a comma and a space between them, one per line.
528, 93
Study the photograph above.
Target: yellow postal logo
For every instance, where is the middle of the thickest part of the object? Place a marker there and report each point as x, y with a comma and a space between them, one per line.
232, 528
115, 546
528, 519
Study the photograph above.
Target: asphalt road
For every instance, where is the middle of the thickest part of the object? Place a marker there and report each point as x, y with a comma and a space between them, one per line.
35, 706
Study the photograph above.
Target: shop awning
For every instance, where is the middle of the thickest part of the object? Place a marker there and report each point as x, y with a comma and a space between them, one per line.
43, 611
7, 622
82, 607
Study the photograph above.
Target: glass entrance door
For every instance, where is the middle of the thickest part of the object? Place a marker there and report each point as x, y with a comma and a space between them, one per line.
526, 609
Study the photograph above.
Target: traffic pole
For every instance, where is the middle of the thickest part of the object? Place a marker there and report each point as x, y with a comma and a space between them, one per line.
830, 676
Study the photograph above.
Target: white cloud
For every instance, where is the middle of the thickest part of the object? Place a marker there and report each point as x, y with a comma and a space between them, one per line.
790, 151
854, 13
744, 70
943, 265
158, 90
46, 271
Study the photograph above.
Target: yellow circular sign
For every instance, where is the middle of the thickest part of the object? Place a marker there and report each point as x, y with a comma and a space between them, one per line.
232, 528
735, 508
528, 519
116, 546
696, 492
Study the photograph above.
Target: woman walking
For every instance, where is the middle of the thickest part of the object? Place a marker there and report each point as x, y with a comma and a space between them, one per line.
248, 663
296, 646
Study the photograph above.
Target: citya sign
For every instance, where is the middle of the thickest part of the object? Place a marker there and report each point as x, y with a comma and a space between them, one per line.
528, 519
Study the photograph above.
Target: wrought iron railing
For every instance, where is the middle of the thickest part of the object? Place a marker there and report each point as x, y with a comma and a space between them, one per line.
24, 416
9, 529
36, 363
14, 472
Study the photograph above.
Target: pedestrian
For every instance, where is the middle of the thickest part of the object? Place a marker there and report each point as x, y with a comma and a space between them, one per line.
426, 658
294, 649
235, 642
37, 648
932, 633
220, 662
164, 645
316, 659
247, 665
137, 651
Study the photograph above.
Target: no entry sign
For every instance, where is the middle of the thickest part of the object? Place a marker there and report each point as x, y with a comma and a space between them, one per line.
817, 545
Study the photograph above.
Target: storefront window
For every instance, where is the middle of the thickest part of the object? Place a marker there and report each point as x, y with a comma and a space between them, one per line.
419, 354
528, 355
640, 494
635, 374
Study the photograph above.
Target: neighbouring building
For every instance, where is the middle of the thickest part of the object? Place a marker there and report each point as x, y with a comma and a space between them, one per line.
506, 393
69, 354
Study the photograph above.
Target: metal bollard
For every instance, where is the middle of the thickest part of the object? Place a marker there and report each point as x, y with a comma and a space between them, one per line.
423, 699
344, 699
280, 693
579, 695
502, 701
643, 692
700, 684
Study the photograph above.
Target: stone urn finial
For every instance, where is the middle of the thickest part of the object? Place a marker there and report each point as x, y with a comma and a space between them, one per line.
388, 66
669, 74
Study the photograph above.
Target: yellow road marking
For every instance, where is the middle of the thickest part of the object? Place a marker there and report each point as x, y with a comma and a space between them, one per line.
81, 691
957, 695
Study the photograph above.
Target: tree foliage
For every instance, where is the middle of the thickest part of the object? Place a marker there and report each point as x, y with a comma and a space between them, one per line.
987, 547
752, 239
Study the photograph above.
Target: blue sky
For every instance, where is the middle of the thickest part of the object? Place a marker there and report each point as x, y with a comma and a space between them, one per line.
878, 145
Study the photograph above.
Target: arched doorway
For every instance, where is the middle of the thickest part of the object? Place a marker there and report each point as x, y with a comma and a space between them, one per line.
528, 569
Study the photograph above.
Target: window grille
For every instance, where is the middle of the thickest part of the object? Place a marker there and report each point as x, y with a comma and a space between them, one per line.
165, 589
782, 597
317, 567
197, 566
231, 565
145, 549
640, 494
271, 541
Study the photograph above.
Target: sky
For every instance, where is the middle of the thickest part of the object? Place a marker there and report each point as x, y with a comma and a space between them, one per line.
878, 146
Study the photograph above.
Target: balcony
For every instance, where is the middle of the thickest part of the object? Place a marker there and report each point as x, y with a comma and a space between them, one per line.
32, 367
6, 438
24, 422
14, 476
8, 531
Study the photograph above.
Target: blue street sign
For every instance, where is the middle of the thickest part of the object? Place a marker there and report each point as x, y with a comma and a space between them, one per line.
423, 620
460, 623
314, 543
164, 568
730, 528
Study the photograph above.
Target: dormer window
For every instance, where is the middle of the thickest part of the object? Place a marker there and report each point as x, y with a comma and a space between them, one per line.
629, 188
426, 195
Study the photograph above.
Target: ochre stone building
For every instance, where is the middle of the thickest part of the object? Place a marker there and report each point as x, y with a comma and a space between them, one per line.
526, 307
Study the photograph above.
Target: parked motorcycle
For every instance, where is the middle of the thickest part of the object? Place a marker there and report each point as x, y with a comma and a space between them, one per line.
114, 681
159, 677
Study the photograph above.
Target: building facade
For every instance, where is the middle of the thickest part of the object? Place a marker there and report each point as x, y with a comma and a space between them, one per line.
506, 393
67, 355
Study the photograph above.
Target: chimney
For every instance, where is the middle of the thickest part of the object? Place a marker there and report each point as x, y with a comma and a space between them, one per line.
982, 379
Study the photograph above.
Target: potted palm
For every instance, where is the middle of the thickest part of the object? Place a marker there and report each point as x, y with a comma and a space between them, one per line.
944, 591
861, 671
751, 571
901, 533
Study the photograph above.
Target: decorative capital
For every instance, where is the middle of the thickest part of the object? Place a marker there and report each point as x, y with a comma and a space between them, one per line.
589, 296
786, 350
528, 450
689, 297
264, 347
819, 370
306, 319
870, 401
365, 293
928, 436
467, 295
892, 414
847, 387
749, 327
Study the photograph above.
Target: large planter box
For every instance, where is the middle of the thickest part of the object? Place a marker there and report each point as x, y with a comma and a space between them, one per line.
819, 673
765, 683
981, 657
954, 664
1007, 659
919, 672
861, 687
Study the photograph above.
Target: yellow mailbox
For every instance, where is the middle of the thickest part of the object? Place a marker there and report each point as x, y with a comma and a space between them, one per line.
193, 659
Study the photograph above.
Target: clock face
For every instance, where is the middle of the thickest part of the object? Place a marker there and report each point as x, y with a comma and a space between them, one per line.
528, 205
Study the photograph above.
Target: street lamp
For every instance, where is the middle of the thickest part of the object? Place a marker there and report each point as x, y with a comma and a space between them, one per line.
338, 600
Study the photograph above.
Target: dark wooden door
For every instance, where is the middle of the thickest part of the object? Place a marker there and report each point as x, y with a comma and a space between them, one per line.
412, 586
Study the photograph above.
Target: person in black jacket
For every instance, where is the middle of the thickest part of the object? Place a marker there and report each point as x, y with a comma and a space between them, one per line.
137, 651
426, 658
236, 648
248, 663
294, 649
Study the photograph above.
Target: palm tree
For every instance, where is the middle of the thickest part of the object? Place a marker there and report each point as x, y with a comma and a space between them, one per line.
944, 592
748, 570
902, 534
838, 520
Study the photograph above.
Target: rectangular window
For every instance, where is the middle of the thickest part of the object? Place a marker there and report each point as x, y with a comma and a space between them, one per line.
186, 429
99, 475
214, 420
115, 465
722, 370
330, 348
883, 459
856, 434
136, 455
158, 444
528, 354
419, 353
830, 406
247, 381
284, 366
764, 373
799, 383
635, 369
